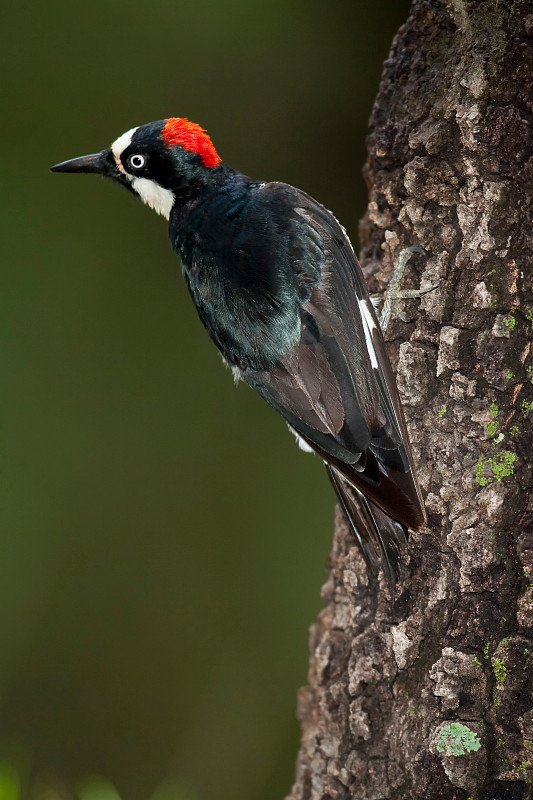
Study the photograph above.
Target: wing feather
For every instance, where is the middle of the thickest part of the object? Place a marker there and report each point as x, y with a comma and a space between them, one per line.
335, 386
373, 530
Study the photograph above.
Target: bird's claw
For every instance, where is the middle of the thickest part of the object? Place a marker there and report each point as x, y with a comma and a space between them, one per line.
393, 295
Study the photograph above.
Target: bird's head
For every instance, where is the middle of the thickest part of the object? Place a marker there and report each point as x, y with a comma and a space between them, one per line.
160, 161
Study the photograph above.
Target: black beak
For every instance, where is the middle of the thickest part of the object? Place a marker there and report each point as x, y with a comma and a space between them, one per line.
94, 163
102, 163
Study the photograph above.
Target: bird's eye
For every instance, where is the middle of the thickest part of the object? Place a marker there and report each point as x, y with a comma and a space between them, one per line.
137, 161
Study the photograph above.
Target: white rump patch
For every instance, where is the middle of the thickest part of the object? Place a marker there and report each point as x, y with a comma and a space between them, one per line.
302, 444
237, 374
120, 144
369, 324
154, 195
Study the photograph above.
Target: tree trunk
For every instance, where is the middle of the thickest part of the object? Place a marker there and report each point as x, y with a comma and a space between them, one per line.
434, 699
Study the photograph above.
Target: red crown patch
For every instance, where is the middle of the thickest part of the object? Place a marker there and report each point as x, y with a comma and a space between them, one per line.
191, 137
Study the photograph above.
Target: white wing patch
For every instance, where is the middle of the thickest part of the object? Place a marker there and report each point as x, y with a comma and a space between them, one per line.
154, 195
369, 324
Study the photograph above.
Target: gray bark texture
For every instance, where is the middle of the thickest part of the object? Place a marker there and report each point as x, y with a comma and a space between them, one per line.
434, 699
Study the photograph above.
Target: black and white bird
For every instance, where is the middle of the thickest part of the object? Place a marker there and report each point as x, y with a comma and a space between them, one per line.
278, 287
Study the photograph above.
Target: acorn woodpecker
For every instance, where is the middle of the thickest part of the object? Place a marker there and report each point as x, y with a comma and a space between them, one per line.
279, 289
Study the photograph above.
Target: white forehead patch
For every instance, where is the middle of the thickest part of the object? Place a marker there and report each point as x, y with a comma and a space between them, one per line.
154, 195
120, 144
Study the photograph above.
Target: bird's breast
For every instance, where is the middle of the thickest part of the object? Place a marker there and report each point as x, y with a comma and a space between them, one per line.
238, 262
253, 326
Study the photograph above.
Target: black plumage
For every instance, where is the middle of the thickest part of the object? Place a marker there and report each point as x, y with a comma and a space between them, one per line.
278, 287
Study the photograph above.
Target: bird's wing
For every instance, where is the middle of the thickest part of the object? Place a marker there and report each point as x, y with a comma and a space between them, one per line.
335, 385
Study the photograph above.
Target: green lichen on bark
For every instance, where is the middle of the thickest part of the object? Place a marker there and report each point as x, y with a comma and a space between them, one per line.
501, 465
457, 739
499, 669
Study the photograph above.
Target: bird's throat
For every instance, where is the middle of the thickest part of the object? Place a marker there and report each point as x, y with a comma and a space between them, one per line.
154, 195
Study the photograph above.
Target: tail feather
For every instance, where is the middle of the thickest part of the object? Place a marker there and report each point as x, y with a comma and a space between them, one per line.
376, 533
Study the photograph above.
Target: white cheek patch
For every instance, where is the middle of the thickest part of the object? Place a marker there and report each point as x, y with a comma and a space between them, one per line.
369, 324
154, 195
150, 192
120, 144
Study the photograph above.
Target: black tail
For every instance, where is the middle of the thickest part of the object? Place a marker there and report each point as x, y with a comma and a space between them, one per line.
377, 534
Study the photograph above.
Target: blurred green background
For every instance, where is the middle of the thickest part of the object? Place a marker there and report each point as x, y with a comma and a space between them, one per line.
163, 540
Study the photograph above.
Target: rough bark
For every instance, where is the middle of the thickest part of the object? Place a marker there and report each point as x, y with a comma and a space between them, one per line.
450, 168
